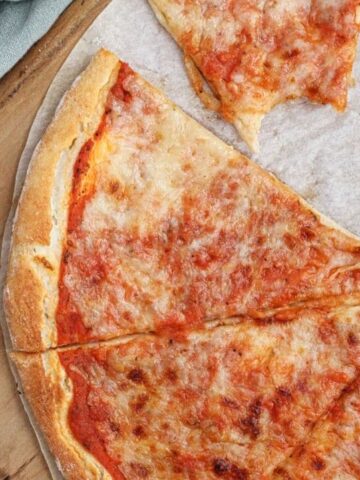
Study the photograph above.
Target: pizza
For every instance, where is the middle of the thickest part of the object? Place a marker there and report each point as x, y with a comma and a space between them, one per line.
175, 311
333, 448
146, 222
255, 54
229, 402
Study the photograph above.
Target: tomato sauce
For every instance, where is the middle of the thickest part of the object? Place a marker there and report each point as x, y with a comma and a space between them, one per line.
81, 416
70, 325
119, 90
263, 57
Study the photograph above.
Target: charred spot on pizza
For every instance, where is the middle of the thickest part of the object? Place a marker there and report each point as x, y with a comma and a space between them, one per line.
139, 431
251, 424
279, 401
113, 186
66, 256
136, 375
221, 466
290, 241
236, 350
279, 471
284, 392
318, 464
307, 234
228, 402
171, 375
229, 471
352, 339
114, 427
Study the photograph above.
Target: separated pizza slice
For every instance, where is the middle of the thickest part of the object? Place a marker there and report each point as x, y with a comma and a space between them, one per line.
256, 54
134, 218
228, 402
332, 451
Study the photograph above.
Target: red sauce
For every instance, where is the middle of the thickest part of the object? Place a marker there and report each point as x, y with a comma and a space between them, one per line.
70, 325
80, 193
81, 417
119, 90
68, 319
266, 56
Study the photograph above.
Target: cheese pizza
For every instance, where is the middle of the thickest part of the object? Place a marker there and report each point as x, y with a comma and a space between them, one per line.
256, 54
229, 402
176, 312
333, 448
147, 222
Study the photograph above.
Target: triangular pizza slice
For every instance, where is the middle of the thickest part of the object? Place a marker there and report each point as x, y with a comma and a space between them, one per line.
134, 218
256, 54
229, 402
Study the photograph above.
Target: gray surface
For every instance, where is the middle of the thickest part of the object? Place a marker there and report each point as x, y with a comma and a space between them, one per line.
22, 23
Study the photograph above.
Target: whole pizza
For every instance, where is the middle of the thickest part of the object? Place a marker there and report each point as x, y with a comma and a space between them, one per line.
176, 312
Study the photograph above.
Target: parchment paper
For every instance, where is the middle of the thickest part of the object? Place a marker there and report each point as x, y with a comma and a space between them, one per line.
312, 148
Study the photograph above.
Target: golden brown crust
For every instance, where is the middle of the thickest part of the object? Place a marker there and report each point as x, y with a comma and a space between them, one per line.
48, 391
79, 115
34, 265
40, 221
35, 258
24, 296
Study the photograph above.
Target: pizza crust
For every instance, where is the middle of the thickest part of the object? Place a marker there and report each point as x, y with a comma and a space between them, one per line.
49, 393
247, 124
49, 386
41, 218
42, 214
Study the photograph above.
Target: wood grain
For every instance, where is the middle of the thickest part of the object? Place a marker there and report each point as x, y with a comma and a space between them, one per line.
21, 93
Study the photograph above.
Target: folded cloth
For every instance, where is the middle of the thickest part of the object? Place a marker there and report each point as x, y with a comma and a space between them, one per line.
22, 23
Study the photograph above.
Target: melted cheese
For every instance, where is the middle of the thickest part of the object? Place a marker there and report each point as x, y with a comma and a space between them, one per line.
256, 54
174, 228
333, 449
231, 402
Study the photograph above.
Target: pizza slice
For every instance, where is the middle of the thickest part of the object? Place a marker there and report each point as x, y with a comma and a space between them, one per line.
231, 401
333, 449
134, 219
256, 54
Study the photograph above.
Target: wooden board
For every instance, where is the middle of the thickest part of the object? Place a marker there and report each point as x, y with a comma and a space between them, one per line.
21, 93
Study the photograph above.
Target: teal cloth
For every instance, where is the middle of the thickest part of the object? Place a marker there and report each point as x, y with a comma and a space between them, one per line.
22, 23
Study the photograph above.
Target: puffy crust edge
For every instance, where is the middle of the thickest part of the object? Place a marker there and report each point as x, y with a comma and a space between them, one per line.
37, 225
49, 394
78, 115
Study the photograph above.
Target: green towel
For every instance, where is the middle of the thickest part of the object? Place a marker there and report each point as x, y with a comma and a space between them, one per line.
22, 23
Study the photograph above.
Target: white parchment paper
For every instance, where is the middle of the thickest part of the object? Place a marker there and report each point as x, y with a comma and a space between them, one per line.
312, 148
